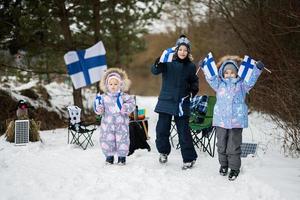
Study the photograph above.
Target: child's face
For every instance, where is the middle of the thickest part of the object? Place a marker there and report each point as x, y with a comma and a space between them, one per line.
182, 52
229, 74
113, 85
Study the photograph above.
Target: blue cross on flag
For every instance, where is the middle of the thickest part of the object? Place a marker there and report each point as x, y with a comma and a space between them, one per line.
209, 66
246, 68
86, 66
167, 55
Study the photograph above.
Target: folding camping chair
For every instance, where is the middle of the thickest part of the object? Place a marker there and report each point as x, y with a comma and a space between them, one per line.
198, 109
203, 133
80, 133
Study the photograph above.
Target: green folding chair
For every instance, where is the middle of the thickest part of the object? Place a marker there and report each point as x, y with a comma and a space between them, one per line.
204, 134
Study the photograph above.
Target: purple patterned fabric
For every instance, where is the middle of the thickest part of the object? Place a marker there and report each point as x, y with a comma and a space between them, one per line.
114, 129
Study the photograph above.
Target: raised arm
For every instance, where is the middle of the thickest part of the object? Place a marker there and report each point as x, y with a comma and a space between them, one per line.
257, 69
158, 67
213, 81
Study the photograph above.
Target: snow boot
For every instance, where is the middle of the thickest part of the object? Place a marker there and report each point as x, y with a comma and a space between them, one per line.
233, 174
163, 158
223, 170
121, 160
188, 165
109, 160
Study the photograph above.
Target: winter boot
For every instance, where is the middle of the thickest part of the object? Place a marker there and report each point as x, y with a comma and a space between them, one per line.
163, 158
223, 170
109, 160
188, 165
233, 174
121, 160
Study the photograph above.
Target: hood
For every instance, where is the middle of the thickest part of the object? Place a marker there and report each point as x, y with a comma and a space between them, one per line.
125, 82
224, 64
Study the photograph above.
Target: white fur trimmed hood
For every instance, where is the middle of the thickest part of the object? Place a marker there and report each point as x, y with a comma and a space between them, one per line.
125, 82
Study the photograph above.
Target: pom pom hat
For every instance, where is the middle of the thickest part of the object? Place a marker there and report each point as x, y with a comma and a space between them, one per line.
183, 41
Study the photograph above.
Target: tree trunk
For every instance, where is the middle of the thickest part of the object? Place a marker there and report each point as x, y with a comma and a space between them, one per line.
65, 26
96, 18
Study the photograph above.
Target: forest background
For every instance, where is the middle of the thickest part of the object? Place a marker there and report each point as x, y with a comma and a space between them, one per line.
34, 36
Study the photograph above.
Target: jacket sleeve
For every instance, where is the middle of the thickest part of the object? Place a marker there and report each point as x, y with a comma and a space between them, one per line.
158, 67
194, 82
128, 105
248, 85
213, 81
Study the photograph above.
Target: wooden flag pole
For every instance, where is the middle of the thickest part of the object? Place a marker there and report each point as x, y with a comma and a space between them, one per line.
267, 70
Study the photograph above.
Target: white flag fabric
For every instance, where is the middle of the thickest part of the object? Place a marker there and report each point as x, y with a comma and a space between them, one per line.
209, 66
86, 66
167, 55
246, 68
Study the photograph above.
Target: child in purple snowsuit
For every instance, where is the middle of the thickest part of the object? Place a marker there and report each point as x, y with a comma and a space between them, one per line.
231, 113
114, 106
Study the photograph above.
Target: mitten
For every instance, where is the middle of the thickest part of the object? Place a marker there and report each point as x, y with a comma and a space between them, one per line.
157, 61
260, 65
194, 93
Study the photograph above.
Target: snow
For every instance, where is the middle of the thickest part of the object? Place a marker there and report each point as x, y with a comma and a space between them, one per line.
54, 169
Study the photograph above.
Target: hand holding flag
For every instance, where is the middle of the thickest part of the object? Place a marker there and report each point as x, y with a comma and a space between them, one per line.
246, 68
98, 105
167, 55
209, 66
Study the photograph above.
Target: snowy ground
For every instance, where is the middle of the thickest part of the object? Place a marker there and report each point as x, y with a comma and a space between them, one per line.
55, 170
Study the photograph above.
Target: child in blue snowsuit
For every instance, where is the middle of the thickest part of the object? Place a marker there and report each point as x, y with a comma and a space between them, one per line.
179, 80
231, 113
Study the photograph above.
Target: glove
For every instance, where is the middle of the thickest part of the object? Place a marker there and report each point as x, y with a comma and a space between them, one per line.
260, 65
194, 93
193, 90
157, 61
200, 63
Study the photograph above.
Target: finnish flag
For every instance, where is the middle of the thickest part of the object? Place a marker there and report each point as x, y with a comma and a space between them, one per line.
97, 102
86, 66
167, 55
246, 68
209, 66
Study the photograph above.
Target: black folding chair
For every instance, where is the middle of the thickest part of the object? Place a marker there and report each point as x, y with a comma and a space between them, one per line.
80, 133
173, 134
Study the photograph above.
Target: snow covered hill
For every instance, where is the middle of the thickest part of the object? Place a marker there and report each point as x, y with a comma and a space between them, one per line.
55, 170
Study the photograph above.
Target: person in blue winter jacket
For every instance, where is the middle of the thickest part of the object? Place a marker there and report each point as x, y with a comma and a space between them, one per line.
179, 82
231, 113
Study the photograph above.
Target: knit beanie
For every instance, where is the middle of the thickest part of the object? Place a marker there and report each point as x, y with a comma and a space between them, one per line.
230, 66
183, 41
